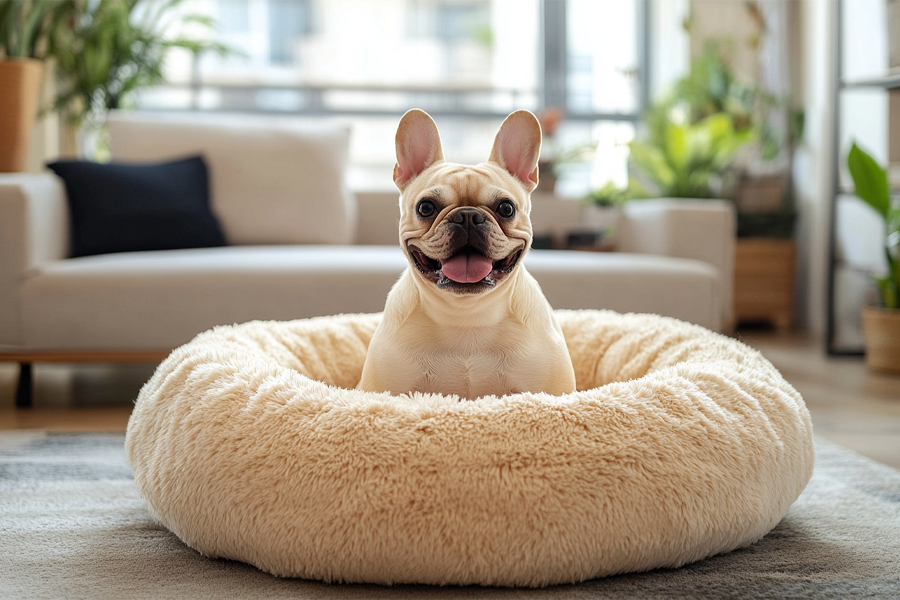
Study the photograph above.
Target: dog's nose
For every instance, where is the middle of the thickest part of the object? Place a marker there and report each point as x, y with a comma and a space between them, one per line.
467, 217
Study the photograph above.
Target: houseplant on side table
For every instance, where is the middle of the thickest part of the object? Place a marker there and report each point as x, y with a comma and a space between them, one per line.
704, 137
881, 325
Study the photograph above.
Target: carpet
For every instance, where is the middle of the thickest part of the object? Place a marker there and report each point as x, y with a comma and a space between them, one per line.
73, 526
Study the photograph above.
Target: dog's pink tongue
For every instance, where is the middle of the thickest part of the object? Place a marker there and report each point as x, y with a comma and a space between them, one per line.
464, 268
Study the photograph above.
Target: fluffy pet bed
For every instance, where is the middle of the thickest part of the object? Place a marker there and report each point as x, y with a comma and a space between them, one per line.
249, 444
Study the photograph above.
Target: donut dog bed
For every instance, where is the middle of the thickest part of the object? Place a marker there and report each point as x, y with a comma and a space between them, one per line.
250, 443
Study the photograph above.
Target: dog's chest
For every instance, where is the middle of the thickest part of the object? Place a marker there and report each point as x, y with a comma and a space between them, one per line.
466, 374
469, 366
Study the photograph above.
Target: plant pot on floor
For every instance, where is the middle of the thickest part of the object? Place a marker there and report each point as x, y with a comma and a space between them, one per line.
20, 80
881, 329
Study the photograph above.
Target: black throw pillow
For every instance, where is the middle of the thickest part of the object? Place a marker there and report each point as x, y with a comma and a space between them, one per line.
120, 207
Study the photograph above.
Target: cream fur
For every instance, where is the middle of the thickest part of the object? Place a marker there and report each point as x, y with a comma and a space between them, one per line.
501, 341
679, 444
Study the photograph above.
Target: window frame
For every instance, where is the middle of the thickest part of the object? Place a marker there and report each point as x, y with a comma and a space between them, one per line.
554, 52
450, 101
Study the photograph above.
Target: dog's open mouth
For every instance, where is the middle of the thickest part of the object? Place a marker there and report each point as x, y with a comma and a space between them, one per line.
466, 266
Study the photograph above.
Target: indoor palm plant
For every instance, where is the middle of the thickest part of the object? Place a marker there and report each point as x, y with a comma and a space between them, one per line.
881, 324
24, 25
106, 50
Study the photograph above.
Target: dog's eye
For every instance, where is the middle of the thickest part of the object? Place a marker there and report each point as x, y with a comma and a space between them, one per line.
426, 209
506, 209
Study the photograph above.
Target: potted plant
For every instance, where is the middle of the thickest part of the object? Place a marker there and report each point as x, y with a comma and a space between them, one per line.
703, 138
554, 156
689, 160
881, 324
24, 25
603, 209
108, 49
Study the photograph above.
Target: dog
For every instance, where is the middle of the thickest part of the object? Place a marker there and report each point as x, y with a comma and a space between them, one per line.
466, 318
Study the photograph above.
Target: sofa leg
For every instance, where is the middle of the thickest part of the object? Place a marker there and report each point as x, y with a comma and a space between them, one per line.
25, 385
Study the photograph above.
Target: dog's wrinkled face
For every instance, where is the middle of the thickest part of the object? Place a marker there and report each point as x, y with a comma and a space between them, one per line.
465, 229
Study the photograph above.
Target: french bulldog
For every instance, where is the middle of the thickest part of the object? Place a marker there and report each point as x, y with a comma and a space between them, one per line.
466, 318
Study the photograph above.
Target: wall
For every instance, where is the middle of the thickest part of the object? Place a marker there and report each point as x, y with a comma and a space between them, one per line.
726, 20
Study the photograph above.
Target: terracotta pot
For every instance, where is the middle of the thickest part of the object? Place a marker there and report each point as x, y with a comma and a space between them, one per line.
881, 329
20, 80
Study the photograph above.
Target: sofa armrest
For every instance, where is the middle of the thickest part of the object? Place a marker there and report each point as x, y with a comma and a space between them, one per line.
33, 230
702, 230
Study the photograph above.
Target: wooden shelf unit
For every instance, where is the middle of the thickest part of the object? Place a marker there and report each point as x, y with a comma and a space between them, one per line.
764, 274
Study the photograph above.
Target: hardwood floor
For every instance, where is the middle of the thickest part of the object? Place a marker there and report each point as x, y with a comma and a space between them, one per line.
850, 405
74, 398
60, 419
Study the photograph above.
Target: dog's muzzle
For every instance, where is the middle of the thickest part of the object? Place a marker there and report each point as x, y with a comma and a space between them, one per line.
469, 267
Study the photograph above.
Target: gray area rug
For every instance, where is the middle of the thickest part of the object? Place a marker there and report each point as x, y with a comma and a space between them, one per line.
73, 526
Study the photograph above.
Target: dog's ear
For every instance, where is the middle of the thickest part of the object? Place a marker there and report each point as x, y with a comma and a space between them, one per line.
418, 146
517, 147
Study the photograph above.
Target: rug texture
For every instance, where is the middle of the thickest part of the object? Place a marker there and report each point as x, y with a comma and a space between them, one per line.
72, 525
249, 443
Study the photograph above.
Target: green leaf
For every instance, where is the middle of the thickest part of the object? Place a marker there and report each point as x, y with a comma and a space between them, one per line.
869, 179
718, 125
653, 164
890, 292
726, 148
892, 228
199, 19
36, 26
697, 185
677, 145
699, 144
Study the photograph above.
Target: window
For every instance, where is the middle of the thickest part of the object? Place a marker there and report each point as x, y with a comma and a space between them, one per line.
603, 73
233, 16
289, 22
467, 62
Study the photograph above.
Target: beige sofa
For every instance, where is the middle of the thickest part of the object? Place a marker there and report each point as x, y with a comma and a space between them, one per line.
675, 258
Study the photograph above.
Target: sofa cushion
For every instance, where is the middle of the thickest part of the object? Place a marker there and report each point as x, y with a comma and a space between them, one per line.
120, 207
160, 300
273, 181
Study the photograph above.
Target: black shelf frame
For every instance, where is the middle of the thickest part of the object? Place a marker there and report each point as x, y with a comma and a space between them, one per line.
839, 85
835, 181
888, 81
